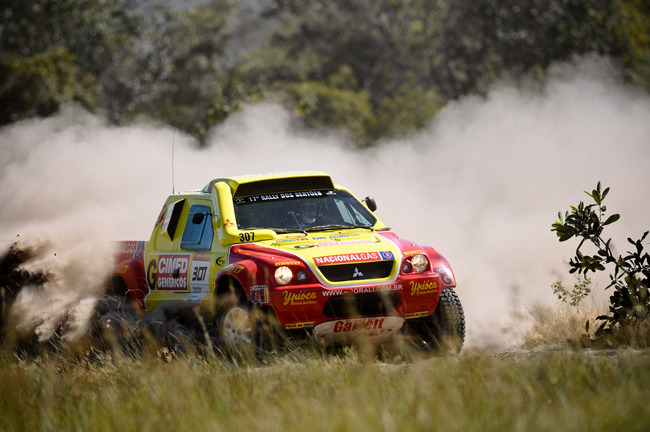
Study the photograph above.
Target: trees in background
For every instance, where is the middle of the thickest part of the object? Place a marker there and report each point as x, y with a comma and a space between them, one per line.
372, 68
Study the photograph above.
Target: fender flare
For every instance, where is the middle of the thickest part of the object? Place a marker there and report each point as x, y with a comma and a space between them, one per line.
243, 272
131, 274
441, 266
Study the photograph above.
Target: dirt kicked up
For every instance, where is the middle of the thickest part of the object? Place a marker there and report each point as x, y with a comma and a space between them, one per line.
86, 322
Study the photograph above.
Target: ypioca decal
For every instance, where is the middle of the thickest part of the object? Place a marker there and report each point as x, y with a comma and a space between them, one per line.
168, 272
423, 287
299, 298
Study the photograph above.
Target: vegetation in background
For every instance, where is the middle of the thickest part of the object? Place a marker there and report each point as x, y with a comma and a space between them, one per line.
371, 68
629, 274
581, 289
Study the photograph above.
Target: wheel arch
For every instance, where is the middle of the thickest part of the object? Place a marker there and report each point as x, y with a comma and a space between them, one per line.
128, 279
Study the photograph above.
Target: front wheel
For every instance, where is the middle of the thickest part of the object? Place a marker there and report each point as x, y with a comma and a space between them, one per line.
236, 328
243, 329
234, 324
444, 330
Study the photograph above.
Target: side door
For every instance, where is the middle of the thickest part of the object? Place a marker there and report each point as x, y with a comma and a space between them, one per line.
180, 263
198, 240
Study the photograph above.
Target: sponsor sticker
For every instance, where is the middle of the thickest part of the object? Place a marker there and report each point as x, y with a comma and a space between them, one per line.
299, 325
353, 257
195, 297
364, 290
417, 315
200, 274
133, 248
168, 272
342, 242
201, 256
358, 324
259, 294
422, 287
298, 298
445, 277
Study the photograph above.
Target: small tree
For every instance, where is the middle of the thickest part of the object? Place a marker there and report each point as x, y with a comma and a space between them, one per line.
629, 304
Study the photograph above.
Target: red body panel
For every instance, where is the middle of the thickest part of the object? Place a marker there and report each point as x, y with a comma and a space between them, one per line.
129, 267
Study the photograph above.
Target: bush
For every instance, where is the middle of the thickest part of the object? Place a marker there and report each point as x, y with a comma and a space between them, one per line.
629, 275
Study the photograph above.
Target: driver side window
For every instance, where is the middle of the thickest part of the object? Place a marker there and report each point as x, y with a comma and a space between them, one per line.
198, 233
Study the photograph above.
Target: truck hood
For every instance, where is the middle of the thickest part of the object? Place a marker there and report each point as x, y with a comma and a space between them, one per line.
314, 247
345, 257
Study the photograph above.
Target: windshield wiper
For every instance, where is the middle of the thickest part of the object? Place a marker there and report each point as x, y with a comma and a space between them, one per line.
335, 227
287, 230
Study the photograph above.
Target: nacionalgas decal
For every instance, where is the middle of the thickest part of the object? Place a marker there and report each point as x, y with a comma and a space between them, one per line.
353, 257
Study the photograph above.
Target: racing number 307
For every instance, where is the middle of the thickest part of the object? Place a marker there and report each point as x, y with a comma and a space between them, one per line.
247, 237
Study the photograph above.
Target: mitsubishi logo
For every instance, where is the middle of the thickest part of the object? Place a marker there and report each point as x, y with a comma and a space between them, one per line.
357, 272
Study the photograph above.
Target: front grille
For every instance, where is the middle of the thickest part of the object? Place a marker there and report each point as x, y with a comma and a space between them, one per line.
357, 271
351, 305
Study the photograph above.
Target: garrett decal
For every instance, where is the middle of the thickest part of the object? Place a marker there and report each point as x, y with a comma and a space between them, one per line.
299, 298
358, 324
425, 287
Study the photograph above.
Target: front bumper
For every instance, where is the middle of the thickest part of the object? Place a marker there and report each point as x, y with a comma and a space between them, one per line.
344, 312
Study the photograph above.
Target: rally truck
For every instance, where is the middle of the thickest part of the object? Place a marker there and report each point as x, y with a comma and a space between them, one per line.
302, 250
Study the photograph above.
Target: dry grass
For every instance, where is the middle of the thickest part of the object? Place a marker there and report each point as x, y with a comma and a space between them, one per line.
537, 389
544, 385
561, 325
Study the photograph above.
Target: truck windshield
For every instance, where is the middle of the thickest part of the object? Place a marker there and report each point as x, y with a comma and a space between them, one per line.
302, 211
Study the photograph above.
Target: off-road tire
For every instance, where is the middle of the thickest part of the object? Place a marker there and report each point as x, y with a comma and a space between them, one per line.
444, 330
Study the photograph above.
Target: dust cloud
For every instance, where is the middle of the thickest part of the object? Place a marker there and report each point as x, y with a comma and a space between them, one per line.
482, 184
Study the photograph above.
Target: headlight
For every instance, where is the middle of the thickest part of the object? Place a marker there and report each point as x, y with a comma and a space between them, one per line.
419, 263
283, 275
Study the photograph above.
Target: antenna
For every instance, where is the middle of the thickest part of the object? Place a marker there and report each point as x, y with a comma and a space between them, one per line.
173, 142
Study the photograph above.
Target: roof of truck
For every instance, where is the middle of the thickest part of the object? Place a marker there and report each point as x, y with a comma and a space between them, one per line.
259, 184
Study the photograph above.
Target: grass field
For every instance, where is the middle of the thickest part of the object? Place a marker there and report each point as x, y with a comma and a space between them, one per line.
541, 390
547, 387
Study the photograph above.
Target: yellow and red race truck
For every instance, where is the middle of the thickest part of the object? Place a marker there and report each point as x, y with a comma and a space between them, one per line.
299, 248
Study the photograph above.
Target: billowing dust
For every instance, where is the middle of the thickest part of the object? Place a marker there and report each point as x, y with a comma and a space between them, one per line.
482, 184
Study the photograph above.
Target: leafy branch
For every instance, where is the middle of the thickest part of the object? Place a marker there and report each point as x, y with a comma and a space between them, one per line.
630, 277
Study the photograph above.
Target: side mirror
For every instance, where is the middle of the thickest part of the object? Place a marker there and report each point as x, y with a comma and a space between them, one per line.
370, 202
198, 218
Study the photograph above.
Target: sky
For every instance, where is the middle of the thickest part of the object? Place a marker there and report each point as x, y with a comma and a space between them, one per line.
482, 184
